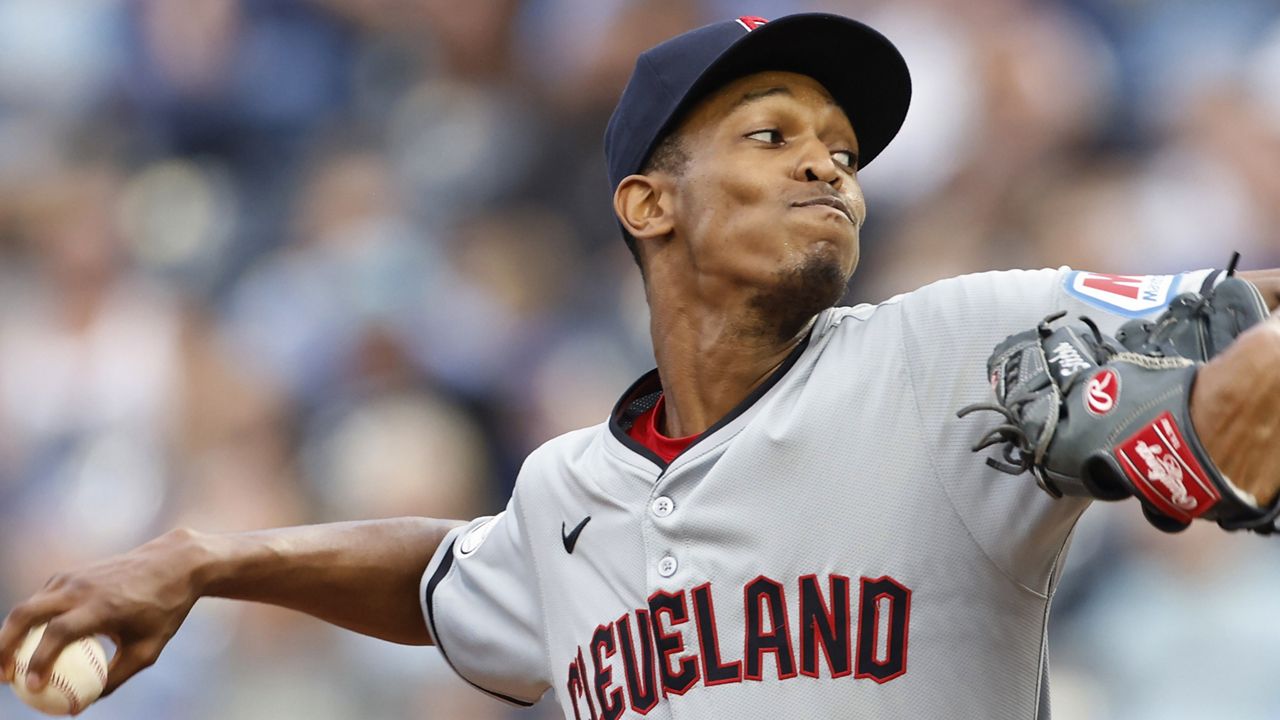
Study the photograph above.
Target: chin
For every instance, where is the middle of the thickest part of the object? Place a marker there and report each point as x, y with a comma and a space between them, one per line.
839, 251
814, 283
838, 245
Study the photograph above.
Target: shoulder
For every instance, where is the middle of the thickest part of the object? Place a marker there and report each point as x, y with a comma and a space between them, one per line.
845, 317
567, 448
1049, 289
568, 445
560, 456
976, 295
985, 288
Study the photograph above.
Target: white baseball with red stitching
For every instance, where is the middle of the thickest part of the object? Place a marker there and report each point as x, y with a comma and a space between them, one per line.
79, 675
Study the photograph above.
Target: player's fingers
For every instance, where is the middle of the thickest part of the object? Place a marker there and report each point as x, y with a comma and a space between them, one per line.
58, 634
19, 621
130, 660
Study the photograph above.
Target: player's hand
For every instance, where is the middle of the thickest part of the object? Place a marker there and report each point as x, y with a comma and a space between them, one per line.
1235, 407
138, 599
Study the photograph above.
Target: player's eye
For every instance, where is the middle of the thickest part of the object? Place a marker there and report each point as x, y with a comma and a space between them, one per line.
772, 136
847, 158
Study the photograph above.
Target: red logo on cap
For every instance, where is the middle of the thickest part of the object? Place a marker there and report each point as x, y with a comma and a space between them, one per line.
751, 22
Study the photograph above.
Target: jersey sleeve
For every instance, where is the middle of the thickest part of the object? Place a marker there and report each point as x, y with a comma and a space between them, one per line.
949, 330
481, 602
1112, 300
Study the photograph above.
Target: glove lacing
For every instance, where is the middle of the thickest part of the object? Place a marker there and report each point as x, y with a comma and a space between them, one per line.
1019, 454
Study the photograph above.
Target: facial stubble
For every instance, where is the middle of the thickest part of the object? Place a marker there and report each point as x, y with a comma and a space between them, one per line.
798, 293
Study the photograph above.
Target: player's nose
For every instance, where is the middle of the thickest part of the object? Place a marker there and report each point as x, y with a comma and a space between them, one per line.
816, 164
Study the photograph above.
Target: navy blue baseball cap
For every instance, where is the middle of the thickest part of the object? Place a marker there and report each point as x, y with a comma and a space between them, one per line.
862, 70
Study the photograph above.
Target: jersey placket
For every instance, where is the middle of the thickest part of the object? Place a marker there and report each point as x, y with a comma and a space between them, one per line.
669, 565
673, 563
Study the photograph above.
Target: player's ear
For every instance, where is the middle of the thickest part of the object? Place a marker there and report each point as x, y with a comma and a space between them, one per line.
643, 204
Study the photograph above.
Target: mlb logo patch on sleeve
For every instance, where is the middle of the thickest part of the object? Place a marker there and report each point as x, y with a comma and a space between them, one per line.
1130, 295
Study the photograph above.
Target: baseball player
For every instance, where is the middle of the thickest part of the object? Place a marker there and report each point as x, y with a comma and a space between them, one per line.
786, 518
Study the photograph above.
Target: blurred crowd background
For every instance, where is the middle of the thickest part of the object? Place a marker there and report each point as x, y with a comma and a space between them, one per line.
268, 262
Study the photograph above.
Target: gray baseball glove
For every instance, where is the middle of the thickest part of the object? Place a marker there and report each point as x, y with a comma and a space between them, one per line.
1198, 327
1090, 417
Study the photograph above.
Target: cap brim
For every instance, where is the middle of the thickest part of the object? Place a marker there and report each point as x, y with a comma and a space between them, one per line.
862, 70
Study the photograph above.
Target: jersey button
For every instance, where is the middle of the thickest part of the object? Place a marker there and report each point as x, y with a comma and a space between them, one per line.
663, 506
667, 566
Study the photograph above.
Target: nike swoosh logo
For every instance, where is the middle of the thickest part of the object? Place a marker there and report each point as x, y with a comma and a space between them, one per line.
572, 538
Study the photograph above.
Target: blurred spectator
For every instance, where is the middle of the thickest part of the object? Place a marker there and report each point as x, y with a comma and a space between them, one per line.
1145, 633
244, 81
89, 381
351, 258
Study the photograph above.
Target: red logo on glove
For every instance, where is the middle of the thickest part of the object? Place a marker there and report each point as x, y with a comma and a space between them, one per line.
1162, 468
1102, 392
751, 22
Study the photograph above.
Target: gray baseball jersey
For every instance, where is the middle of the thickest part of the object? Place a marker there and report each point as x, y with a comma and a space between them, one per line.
831, 548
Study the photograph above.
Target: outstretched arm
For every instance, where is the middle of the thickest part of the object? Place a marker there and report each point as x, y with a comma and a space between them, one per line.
1091, 418
358, 575
1235, 407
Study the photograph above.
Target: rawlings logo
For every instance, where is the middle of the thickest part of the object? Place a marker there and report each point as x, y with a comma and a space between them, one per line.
1165, 470
751, 22
1102, 392
1068, 359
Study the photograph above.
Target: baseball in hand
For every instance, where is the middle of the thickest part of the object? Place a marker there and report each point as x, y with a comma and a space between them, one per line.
78, 676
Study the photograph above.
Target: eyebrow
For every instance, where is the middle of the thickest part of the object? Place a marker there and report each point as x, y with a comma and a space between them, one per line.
760, 94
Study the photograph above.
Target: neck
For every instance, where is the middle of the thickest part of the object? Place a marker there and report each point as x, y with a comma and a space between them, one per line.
710, 360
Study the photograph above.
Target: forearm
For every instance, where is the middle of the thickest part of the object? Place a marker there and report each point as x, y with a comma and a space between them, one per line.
1234, 408
362, 576
1267, 282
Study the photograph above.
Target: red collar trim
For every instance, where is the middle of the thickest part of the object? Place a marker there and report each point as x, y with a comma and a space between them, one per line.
645, 431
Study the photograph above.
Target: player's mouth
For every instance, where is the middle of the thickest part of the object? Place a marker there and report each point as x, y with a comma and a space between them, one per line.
831, 201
